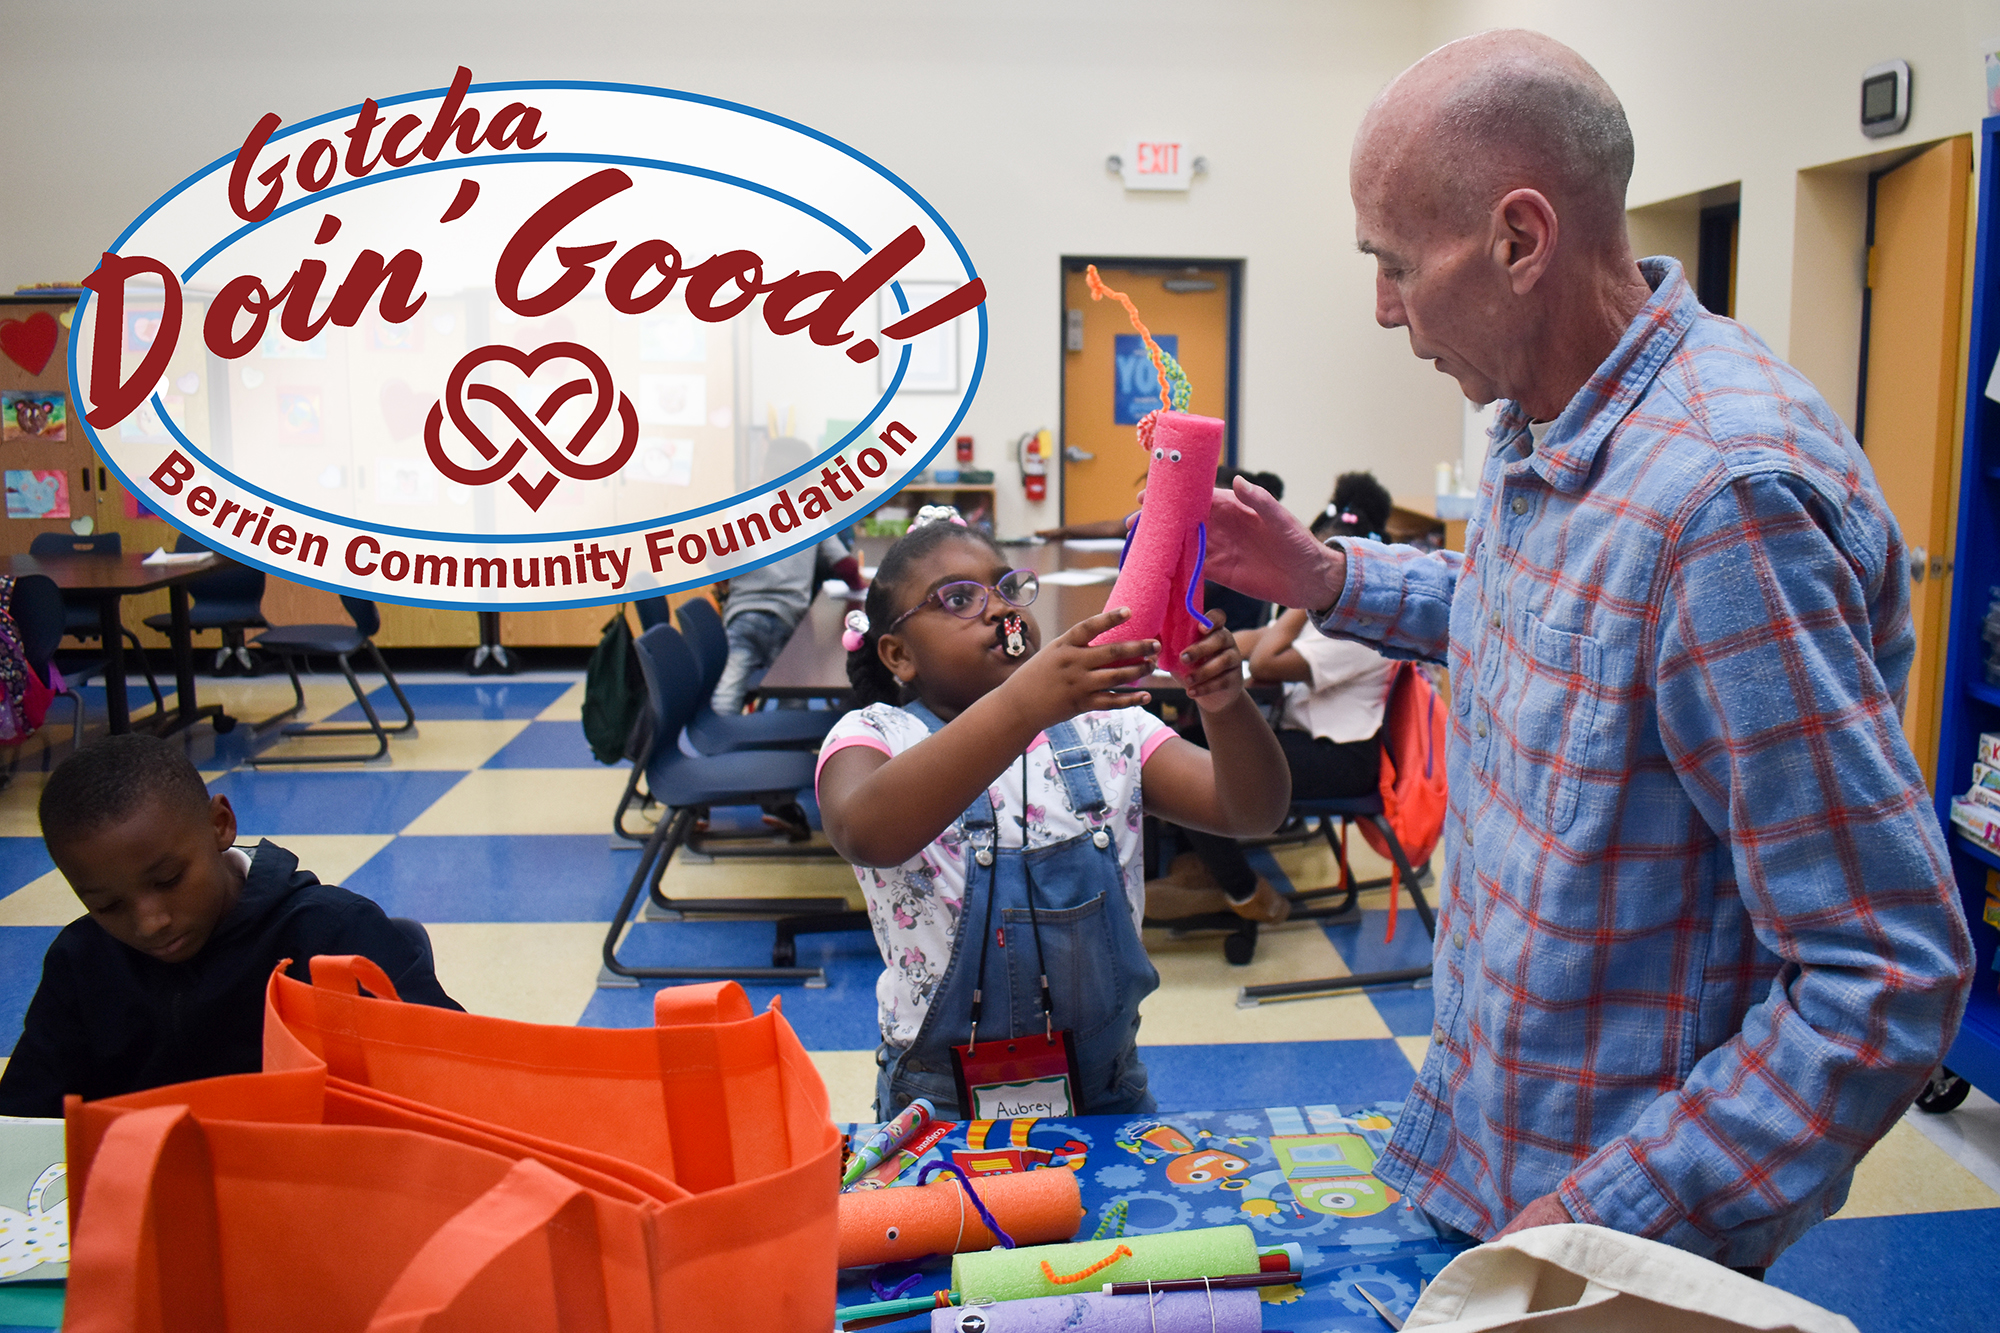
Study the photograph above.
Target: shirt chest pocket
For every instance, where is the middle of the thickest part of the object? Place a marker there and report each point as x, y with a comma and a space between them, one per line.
1555, 721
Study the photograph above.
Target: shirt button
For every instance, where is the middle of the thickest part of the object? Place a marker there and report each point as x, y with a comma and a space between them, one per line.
1520, 504
1437, 1033
1100, 839
1496, 617
1466, 831
983, 856
1480, 727
1458, 939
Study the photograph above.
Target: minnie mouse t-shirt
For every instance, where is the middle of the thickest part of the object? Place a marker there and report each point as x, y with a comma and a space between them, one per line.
914, 907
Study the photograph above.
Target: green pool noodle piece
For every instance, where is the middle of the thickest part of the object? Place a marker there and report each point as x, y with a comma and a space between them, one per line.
1012, 1275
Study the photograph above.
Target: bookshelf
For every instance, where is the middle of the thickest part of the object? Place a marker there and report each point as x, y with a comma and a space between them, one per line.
1970, 704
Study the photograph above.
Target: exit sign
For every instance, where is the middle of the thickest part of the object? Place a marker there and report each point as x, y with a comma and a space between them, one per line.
1157, 164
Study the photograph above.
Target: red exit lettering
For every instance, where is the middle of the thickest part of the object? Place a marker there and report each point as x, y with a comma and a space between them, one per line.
1159, 159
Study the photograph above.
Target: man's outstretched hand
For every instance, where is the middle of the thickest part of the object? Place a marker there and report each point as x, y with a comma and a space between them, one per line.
1257, 547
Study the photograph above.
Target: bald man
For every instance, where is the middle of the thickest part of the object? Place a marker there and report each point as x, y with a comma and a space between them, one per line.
1698, 943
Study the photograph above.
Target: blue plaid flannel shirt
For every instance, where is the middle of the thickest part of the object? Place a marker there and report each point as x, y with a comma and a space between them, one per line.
1698, 942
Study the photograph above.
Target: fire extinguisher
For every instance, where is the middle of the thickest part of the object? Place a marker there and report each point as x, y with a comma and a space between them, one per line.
1034, 450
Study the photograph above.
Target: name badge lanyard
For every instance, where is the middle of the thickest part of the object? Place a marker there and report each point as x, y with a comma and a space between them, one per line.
1014, 1069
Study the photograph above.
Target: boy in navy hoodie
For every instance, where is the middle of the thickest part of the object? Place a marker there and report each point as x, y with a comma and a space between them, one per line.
163, 981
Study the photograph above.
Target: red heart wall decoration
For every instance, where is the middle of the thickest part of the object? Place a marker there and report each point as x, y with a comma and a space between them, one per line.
30, 342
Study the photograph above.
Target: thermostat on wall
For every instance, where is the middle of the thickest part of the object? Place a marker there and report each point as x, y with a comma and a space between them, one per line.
1885, 98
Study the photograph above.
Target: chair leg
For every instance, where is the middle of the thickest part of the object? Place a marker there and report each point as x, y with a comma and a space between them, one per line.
1249, 997
298, 700
409, 722
374, 727
646, 876
146, 669
622, 837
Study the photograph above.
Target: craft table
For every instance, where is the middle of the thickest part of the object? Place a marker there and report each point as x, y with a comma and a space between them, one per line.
814, 665
1296, 1173
108, 578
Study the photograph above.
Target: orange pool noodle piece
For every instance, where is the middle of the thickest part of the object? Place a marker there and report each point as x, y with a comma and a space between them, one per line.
906, 1222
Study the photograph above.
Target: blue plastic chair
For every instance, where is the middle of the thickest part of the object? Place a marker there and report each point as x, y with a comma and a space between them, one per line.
81, 617
712, 733
688, 785
229, 600
37, 609
340, 642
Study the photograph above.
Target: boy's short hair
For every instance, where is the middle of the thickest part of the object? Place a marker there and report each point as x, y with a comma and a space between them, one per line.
113, 776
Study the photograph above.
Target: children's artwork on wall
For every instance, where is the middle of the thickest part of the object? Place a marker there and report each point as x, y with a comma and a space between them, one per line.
674, 336
140, 328
1137, 390
144, 426
298, 416
32, 415
34, 1201
933, 353
405, 337
133, 509
30, 342
673, 400
37, 493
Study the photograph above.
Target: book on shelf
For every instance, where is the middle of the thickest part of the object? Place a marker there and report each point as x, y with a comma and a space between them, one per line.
1978, 822
1989, 748
1986, 775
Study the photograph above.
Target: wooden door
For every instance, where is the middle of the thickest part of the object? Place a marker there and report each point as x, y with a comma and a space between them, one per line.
1106, 484
1916, 270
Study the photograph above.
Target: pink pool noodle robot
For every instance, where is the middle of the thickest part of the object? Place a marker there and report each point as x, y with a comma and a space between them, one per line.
1159, 574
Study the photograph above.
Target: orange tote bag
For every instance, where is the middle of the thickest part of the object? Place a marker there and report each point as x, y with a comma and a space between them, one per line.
200, 1226
721, 1103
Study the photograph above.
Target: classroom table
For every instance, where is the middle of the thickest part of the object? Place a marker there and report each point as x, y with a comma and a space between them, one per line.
1291, 1174
814, 665
107, 578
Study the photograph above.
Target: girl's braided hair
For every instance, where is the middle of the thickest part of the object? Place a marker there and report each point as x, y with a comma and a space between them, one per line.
871, 678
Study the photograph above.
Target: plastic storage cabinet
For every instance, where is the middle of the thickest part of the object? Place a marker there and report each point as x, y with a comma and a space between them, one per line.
1971, 704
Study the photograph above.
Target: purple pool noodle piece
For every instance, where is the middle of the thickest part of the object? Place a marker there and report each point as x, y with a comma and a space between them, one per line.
1094, 1312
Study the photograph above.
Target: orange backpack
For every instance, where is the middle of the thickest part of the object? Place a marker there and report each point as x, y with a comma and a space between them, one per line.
1412, 782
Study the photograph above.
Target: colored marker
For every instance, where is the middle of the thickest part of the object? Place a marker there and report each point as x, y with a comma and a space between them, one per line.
887, 1139
1233, 1282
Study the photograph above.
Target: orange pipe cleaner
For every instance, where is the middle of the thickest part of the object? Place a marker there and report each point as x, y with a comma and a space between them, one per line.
1173, 381
1122, 1252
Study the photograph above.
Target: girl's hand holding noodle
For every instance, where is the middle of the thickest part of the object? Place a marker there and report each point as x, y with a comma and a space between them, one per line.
984, 770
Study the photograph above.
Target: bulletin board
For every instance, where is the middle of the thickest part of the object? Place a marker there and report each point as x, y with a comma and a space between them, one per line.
57, 483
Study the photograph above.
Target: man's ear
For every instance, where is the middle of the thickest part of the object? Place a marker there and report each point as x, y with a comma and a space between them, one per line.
895, 655
222, 818
1524, 238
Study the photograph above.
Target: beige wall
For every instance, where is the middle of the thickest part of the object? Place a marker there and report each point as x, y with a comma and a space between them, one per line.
1002, 116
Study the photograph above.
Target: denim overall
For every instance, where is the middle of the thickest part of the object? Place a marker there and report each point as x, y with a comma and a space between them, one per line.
1095, 962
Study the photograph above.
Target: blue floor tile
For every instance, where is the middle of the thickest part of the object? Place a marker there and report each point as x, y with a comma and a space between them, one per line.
1408, 1012
21, 950
839, 1018
1303, 1073
547, 745
1923, 1271
448, 702
345, 802
22, 860
546, 877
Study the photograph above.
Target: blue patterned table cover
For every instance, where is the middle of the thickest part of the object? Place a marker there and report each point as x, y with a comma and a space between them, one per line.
1290, 1173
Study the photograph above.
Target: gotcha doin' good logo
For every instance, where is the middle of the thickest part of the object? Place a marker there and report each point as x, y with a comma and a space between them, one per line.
527, 345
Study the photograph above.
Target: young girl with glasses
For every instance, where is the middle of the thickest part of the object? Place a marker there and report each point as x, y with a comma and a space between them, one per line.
988, 790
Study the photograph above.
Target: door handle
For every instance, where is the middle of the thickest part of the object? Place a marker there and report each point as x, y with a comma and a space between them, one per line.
1072, 454
1920, 564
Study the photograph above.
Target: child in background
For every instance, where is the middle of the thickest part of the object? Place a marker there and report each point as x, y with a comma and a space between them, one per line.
1330, 726
989, 796
164, 980
766, 604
